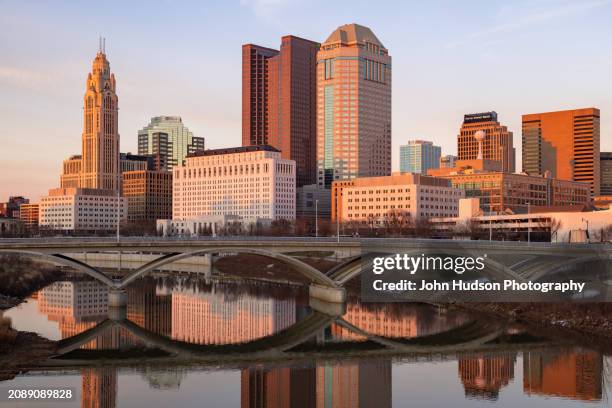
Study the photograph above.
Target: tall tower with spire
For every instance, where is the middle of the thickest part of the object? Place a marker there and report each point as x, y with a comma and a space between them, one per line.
100, 139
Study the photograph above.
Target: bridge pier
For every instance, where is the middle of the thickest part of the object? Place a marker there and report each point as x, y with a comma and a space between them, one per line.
117, 298
327, 293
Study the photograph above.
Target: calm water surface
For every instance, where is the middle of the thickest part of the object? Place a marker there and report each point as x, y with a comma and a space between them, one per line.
346, 361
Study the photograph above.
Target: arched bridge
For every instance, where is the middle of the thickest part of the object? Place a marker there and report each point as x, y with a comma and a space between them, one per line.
506, 260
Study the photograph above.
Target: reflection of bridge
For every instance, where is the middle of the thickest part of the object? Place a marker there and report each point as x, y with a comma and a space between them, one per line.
506, 260
291, 343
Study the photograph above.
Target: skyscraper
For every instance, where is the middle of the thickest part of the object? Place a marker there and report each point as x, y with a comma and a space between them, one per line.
98, 165
565, 143
497, 144
279, 101
353, 106
100, 152
176, 145
418, 156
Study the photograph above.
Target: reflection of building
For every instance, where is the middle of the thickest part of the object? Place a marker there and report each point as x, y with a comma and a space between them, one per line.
278, 387
418, 156
378, 199
99, 387
78, 306
564, 143
376, 320
484, 376
365, 384
213, 318
353, 106
497, 144
571, 374
148, 309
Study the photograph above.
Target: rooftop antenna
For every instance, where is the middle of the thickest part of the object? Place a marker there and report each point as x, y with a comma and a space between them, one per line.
104, 45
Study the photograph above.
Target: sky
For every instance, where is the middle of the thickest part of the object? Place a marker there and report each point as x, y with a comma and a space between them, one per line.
184, 58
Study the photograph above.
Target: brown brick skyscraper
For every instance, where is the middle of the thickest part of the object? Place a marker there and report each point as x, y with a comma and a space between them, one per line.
279, 101
565, 143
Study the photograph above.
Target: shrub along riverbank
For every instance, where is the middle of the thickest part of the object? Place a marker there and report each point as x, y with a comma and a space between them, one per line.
20, 277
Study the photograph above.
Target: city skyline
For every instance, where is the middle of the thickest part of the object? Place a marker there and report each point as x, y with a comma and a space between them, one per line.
42, 75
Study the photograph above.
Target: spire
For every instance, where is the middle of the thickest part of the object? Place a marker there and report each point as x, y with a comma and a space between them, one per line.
101, 45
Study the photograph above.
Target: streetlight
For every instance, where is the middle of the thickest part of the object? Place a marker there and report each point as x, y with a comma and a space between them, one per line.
316, 218
528, 222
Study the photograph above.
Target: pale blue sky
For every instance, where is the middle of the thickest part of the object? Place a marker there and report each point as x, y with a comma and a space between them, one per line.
183, 58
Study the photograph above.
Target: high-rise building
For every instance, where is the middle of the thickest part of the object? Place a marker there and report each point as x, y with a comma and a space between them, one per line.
605, 159
418, 156
251, 182
279, 101
100, 150
496, 145
564, 143
148, 194
255, 94
176, 145
97, 167
353, 106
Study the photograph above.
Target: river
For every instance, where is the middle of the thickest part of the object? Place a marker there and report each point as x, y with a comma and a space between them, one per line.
187, 341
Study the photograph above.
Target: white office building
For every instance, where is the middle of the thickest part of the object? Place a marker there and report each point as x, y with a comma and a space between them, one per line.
82, 209
251, 182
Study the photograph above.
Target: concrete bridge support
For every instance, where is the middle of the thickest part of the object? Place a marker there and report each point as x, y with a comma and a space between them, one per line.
117, 298
327, 294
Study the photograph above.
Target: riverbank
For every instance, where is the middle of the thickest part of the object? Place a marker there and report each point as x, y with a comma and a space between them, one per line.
257, 266
20, 349
20, 277
590, 319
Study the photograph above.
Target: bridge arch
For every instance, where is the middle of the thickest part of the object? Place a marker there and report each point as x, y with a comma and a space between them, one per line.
302, 267
66, 261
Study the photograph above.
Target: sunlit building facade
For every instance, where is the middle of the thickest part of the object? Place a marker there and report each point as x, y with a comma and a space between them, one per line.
279, 101
564, 143
250, 182
353, 106
81, 209
418, 156
497, 144
176, 145
373, 200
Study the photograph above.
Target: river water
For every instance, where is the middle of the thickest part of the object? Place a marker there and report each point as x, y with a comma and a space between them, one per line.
190, 342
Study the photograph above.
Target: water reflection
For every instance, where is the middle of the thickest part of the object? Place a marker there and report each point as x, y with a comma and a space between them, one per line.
213, 314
